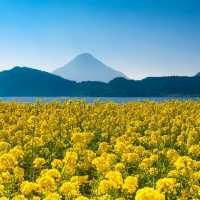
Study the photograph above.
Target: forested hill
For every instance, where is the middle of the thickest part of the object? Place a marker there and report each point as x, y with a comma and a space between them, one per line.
23, 81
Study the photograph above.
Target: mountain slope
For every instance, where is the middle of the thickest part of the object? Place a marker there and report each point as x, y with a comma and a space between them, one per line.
23, 81
30, 82
148, 87
85, 67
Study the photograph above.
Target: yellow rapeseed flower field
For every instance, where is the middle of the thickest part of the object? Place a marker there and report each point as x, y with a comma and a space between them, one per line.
100, 151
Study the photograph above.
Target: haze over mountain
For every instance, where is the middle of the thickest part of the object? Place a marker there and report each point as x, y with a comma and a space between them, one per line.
23, 81
86, 67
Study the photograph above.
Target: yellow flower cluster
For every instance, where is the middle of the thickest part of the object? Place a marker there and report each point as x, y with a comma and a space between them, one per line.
100, 151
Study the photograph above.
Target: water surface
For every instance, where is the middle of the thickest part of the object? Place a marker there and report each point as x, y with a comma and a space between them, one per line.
92, 99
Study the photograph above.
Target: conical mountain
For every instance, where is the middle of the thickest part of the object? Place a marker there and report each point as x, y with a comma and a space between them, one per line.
86, 67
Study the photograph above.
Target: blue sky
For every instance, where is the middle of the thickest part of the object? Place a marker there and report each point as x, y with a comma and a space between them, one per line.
138, 37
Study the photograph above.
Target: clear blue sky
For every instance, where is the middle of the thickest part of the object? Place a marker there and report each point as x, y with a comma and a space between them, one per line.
138, 37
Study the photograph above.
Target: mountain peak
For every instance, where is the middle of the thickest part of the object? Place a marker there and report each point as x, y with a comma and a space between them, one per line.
16, 68
85, 55
85, 67
84, 58
20, 68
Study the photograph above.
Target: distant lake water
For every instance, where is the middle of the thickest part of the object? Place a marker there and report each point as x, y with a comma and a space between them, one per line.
92, 99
